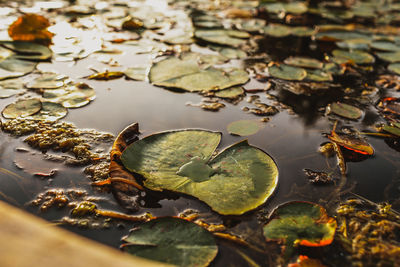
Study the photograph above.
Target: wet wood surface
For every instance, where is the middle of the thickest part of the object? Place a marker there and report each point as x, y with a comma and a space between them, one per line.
29, 241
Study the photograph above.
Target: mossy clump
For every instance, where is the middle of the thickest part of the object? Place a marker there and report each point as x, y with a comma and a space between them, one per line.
369, 232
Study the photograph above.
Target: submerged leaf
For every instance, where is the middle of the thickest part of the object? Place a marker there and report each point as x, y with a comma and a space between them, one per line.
22, 108
244, 127
345, 110
300, 223
243, 176
173, 241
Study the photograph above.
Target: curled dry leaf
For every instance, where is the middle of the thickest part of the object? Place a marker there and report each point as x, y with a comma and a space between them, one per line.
31, 28
124, 185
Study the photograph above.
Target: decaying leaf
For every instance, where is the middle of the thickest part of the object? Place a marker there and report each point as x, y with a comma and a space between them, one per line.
300, 223
31, 28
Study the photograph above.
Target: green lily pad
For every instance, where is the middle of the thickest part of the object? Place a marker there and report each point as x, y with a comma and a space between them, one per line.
302, 31
392, 130
300, 223
22, 108
341, 35
12, 67
136, 73
250, 25
394, 67
173, 241
277, 30
319, 76
223, 37
47, 81
10, 87
242, 178
244, 127
50, 112
28, 50
392, 57
304, 62
345, 110
187, 75
232, 53
354, 44
385, 46
293, 7
286, 72
230, 93
358, 57
171, 68
74, 96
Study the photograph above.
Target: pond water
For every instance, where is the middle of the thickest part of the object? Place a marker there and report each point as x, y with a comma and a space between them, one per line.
292, 138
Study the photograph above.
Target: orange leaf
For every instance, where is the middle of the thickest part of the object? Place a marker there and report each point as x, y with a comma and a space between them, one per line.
31, 28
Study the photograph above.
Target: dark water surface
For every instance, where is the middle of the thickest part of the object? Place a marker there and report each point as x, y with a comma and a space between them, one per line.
292, 140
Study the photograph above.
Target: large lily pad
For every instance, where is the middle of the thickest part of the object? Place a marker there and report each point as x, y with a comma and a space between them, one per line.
11, 66
173, 241
300, 223
239, 179
223, 37
28, 50
186, 74
286, 72
50, 112
389, 56
22, 108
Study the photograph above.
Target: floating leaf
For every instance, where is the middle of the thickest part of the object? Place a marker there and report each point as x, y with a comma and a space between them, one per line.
300, 223
10, 87
392, 130
354, 44
12, 67
389, 56
22, 108
358, 57
244, 127
28, 50
243, 176
47, 81
230, 93
344, 110
187, 75
286, 72
319, 76
30, 28
355, 144
173, 241
222, 37
74, 96
385, 46
50, 112
394, 67
303, 62
107, 75
136, 73
277, 30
